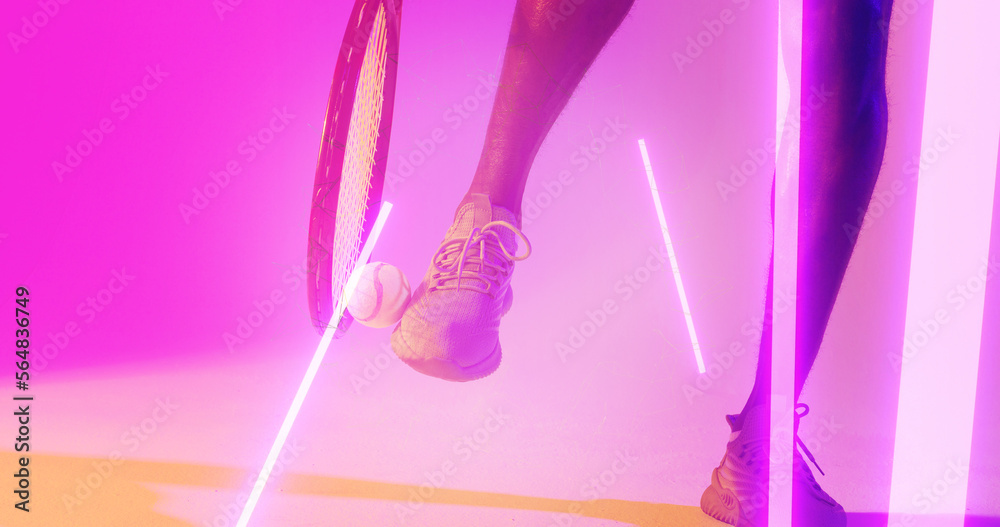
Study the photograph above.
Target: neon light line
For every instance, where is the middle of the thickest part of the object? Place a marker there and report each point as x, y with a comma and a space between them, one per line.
317, 359
673, 258
939, 356
786, 232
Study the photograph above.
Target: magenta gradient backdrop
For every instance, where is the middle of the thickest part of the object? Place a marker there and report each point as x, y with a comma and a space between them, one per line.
195, 277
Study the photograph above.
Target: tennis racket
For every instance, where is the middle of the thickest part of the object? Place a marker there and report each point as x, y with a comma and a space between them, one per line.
347, 204
352, 158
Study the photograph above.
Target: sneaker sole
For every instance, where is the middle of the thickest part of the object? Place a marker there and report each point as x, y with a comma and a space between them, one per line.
720, 503
450, 370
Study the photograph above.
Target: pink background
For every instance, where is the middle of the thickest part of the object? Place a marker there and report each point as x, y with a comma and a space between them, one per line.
162, 336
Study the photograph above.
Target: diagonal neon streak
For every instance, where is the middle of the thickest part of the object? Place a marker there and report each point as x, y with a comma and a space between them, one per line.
317, 359
673, 258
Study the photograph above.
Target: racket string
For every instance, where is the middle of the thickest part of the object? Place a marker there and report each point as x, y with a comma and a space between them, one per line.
359, 156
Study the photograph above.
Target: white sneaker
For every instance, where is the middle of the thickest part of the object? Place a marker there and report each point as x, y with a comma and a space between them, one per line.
738, 492
451, 328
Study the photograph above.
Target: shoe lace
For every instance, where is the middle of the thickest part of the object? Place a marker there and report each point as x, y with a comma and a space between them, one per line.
798, 440
481, 259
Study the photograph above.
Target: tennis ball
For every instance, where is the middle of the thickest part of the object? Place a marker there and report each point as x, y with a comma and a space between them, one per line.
381, 296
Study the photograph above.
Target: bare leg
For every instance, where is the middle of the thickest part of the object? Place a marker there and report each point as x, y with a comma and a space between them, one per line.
842, 144
451, 328
547, 56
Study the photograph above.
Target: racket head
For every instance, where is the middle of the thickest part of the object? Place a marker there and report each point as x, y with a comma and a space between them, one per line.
350, 171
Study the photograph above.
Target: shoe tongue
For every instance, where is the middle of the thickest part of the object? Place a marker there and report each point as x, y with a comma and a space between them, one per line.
476, 213
473, 213
756, 423
731, 421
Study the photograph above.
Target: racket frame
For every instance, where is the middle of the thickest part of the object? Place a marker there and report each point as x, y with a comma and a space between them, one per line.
329, 166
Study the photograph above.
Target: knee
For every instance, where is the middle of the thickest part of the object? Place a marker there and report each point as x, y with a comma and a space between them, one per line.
844, 49
582, 14
847, 8
856, 29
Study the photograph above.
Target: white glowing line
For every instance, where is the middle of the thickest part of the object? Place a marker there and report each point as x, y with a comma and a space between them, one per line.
939, 356
786, 220
313, 368
673, 258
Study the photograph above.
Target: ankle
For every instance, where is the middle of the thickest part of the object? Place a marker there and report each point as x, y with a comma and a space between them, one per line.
495, 200
754, 402
739, 421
